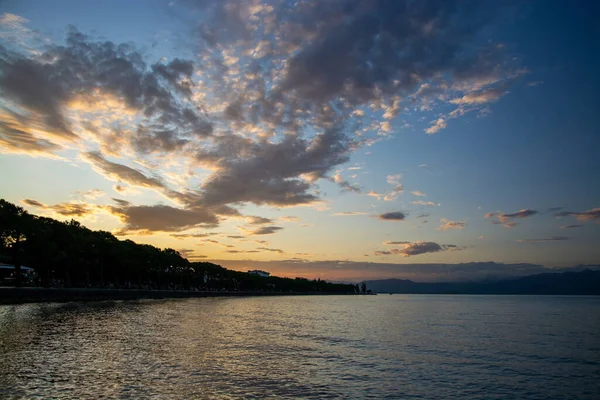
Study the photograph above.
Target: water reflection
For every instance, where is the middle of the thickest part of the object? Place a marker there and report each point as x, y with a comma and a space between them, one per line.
307, 347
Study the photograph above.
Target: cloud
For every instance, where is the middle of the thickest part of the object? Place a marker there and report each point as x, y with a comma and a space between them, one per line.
289, 218
269, 249
525, 213
550, 239
264, 230
258, 220
424, 203
571, 226
418, 193
120, 172
392, 216
192, 235
349, 213
507, 220
389, 242
425, 215
436, 126
483, 96
274, 102
162, 218
90, 194
589, 215
447, 224
416, 248
83, 71
64, 209
120, 202
344, 184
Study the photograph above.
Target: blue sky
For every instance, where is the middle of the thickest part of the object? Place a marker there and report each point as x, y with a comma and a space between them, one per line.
307, 137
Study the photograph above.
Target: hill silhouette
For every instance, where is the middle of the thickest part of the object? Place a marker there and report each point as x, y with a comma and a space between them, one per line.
585, 282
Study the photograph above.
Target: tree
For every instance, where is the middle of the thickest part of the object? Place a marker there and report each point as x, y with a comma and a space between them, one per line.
14, 223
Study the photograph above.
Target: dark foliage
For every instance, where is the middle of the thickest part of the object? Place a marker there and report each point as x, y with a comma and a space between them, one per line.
67, 254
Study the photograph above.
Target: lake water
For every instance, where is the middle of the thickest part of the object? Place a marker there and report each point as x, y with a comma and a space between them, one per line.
355, 347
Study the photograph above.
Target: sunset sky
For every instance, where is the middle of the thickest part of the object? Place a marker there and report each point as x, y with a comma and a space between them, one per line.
334, 139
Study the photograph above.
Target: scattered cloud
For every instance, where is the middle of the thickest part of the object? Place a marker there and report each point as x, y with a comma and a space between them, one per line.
289, 218
91, 194
447, 224
550, 239
392, 216
265, 230
507, 220
349, 213
252, 220
63, 209
269, 249
589, 215
418, 193
436, 126
416, 248
424, 203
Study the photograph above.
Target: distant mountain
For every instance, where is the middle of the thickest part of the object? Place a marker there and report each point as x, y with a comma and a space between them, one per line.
585, 282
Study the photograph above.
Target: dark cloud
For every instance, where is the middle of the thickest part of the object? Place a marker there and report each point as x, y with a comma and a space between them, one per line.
362, 49
269, 249
415, 248
162, 218
258, 220
589, 215
121, 172
507, 219
550, 239
43, 85
519, 214
269, 173
192, 235
265, 230
571, 226
15, 138
33, 203
393, 216
121, 202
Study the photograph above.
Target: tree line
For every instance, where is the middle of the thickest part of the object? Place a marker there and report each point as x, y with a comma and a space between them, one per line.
68, 254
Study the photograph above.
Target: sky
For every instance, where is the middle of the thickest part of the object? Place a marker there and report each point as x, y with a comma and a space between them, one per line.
345, 140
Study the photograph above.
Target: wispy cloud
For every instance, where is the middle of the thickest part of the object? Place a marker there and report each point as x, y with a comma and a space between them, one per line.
550, 239
507, 220
349, 213
589, 215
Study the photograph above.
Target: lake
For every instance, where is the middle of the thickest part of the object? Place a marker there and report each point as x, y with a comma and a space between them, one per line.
315, 347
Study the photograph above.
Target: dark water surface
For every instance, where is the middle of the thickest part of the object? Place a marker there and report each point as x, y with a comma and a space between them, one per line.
397, 347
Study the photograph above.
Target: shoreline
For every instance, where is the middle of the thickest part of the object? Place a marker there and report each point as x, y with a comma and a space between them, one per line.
12, 295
